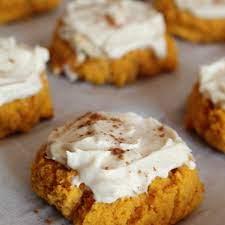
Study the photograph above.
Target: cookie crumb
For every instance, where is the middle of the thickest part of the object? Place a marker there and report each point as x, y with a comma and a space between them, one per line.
48, 221
36, 210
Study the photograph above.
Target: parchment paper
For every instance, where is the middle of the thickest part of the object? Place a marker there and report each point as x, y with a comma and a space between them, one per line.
162, 97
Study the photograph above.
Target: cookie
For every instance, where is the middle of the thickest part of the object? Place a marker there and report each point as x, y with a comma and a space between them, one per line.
196, 21
113, 42
206, 105
105, 168
24, 91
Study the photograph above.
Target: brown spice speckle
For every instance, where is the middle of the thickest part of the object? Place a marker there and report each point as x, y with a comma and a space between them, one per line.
110, 20
162, 132
97, 116
117, 152
91, 118
48, 221
90, 133
115, 120
161, 128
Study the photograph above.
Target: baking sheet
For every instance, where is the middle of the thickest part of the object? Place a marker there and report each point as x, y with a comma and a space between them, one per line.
162, 97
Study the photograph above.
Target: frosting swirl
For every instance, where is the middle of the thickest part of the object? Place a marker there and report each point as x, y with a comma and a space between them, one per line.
106, 28
212, 82
20, 69
118, 155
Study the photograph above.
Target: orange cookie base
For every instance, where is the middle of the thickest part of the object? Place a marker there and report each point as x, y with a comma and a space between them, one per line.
187, 26
21, 115
206, 119
11, 10
135, 64
167, 201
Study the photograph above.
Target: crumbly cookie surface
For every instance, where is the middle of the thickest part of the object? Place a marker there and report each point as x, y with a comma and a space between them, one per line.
167, 201
133, 65
17, 9
21, 115
187, 26
206, 119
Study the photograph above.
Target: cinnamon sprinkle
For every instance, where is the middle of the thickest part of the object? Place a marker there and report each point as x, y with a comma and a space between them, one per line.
161, 128
117, 152
110, 20
94, 117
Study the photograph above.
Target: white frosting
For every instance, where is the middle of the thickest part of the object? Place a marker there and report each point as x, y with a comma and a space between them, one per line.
106, 28
212, 82
208, 9
118, 155
20, 69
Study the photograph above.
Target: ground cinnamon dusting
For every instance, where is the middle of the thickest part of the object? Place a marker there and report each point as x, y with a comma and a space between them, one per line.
110, 20
94, 117
97, 116
115, 126
90, 133
115, 120
161, 128
117, 152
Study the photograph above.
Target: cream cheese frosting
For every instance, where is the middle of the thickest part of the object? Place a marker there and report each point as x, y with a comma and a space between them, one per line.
20, 69
212, 82
106, 28
118, 154
208, 9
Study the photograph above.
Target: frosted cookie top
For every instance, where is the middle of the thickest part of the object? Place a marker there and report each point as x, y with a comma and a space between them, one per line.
212, 82
20, 69
118, 155
106, 28
208, 9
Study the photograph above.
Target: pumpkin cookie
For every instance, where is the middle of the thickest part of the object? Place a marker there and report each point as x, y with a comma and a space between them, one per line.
195, 20
11, 10
105, 168
111, 42
206, 105
24, 92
